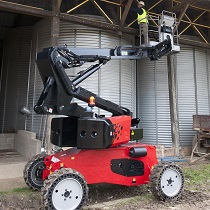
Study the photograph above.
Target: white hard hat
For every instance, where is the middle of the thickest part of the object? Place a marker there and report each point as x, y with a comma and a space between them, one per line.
142, 3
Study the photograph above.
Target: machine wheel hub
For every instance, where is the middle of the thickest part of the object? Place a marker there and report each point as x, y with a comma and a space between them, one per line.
68, 192
65, 189
171, 182
166, 181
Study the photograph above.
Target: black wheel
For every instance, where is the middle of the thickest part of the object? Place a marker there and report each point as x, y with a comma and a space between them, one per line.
166, 181
32, 172
65, 189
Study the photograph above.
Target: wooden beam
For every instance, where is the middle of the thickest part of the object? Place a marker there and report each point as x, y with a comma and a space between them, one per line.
209, 29
206, 22
101, 11
97, 24
111, 2
56, 4
197, 30
200, 158
183, 11
23, 9
193, 43
196, 24
154, 5
179, 7
125, 13
77, 6
55, 21
201, 34
194, 6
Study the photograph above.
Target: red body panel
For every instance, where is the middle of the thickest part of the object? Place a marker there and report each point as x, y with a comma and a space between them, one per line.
122, 125
95, 165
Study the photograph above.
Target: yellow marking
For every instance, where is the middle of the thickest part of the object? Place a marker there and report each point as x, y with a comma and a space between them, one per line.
132, 133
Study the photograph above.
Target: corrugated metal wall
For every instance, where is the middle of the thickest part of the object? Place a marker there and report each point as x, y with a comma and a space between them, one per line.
192, 75
153, 105
14, 79
186, 87
193, 89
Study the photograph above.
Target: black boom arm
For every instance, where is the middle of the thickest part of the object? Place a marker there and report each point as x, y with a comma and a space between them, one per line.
59, 90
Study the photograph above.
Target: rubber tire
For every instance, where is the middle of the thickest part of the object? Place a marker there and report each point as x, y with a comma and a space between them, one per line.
28, 170
55, 178
155, 181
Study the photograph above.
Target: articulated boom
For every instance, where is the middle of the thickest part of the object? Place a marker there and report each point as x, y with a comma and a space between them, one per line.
52, 63
59, 90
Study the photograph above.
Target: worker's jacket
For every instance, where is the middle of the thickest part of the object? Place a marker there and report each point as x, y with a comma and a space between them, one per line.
143, 17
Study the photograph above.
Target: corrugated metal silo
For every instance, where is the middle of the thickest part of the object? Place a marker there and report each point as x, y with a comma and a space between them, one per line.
192, 77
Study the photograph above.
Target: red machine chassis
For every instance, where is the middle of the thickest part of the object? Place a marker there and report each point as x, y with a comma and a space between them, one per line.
104, 165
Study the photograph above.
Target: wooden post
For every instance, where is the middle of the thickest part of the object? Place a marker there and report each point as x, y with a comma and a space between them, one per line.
173, 104
208, 28
55, 21
55, 25
48, 145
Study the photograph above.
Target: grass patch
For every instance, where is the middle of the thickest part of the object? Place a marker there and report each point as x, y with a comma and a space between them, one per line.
23, 191
197, 176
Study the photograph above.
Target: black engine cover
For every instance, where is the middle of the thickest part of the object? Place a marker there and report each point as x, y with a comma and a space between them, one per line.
64, 131
83, 133
127, 167
94, 133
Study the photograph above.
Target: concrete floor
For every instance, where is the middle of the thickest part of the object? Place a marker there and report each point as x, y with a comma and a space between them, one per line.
11, 170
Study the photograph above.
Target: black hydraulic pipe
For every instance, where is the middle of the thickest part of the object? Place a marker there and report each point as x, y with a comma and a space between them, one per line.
44, 94
86, 74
